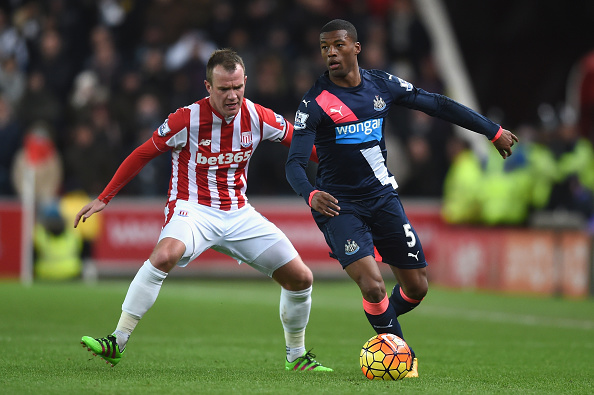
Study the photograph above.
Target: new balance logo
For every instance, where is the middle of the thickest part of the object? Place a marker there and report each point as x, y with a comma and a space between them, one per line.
204, 142
338, 111
416, 256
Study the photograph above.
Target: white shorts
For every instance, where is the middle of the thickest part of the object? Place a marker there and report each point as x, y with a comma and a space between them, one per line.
242, 234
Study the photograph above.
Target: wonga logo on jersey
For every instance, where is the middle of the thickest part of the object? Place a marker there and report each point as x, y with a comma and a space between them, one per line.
359, 132
224, 159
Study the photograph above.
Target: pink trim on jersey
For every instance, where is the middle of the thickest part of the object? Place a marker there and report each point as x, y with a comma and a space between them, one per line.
335, 108
497, 135
409, 300
311, 195
376, 308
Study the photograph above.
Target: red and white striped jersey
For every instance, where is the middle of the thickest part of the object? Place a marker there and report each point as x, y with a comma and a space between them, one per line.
210, 155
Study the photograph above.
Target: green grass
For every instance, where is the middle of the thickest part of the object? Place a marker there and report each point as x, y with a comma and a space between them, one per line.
223, 337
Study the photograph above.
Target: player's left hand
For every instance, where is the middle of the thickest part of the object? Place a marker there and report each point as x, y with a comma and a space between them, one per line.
505, 142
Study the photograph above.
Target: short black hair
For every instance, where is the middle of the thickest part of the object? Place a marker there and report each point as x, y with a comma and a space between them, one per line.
341, 24
227, 58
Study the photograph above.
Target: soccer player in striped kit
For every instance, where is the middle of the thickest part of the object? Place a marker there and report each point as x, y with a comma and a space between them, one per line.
355, 201
212, 141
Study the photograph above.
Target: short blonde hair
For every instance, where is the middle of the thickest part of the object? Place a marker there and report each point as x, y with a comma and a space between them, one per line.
227, 58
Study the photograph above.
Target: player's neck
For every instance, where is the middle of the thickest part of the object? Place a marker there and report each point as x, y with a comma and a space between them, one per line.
352, 79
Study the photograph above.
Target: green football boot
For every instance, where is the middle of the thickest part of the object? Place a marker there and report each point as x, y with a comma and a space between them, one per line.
105, 347
306, 362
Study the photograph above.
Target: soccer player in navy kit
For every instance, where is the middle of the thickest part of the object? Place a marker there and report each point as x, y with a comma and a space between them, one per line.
354, 201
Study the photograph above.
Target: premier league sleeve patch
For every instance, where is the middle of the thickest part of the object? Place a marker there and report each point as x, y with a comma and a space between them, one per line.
300, 119
164, 129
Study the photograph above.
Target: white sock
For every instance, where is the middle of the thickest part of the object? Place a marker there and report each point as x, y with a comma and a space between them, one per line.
141, 296
294, 313
126, 325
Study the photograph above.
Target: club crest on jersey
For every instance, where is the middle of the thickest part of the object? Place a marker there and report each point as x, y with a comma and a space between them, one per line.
164, 129
351, 247
378, 103
300, 119
245, 140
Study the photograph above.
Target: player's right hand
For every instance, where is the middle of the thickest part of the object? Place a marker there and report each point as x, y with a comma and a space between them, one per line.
324, 203
505, 142
89, 209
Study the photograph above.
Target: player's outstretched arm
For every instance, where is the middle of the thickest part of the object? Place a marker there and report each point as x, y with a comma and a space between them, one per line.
89, 209
505, 142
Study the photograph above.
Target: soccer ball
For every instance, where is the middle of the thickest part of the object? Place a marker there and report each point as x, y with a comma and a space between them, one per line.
385, 357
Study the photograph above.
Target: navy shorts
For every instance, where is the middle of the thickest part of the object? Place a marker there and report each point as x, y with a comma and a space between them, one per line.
379, 222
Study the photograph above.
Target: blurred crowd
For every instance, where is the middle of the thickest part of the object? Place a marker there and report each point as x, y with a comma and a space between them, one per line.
84, 82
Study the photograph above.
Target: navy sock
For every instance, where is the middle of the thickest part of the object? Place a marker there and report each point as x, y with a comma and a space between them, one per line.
400, 304
384, 322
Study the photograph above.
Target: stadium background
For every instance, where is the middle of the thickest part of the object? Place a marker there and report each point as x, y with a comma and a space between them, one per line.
93, 79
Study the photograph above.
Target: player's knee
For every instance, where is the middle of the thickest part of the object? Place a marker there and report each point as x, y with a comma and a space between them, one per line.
417, 290
302, 279
294, 276
373, 291
164, 259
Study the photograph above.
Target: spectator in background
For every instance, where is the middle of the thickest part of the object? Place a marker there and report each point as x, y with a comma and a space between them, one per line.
54, 63
57, 248
85, 93
462, 185
409, 42
106, 129
73, 20
12, 43
11, 137
12, 81
193, 69
222, 22
582, 87
39, 103
153, 179
28, 20
87, 165
122, 105
153, 76
575, 158
104, 60
271, 91
39, 154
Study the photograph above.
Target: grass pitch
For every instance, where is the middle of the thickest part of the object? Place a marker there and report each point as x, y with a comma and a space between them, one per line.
222, 337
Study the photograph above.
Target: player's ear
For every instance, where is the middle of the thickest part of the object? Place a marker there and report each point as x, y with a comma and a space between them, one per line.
207, 85
357, 48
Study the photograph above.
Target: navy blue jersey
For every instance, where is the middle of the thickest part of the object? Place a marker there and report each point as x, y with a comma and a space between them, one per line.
347, 127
